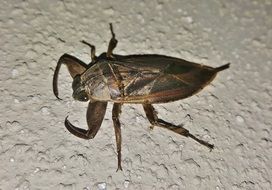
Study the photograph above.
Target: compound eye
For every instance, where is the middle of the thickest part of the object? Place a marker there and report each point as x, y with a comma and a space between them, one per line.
83, 96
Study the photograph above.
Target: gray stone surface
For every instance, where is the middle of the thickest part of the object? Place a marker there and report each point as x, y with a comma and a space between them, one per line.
234, 113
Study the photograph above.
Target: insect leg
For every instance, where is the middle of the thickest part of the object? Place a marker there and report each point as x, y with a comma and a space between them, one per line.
151, 114
74, 65
93, 56
113, 42
155, 121
95, 115
117, 128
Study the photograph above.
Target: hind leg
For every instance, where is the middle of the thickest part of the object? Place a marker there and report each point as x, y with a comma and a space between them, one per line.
155, 121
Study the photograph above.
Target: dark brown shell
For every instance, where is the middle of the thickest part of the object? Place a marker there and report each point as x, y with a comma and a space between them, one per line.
146, 78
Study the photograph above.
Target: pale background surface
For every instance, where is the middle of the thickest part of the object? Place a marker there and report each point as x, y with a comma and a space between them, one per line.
234, 112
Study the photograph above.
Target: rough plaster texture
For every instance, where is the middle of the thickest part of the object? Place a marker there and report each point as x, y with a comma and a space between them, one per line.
234, 112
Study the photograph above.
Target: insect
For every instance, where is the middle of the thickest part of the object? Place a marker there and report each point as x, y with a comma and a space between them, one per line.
133, 79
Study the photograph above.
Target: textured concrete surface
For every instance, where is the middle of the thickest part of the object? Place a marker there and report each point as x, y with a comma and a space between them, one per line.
234, 113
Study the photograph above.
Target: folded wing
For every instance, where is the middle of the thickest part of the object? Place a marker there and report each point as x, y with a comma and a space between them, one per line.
158, 78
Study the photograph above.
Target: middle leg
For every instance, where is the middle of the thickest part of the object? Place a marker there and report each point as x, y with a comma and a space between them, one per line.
116, 111
112, 44
155, 121
93, 56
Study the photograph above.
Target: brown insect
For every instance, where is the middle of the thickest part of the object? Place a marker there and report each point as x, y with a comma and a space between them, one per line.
134, 79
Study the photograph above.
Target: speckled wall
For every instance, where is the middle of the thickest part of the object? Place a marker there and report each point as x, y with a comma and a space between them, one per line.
233, 113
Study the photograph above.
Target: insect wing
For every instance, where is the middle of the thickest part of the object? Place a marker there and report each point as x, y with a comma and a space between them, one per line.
158, 78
